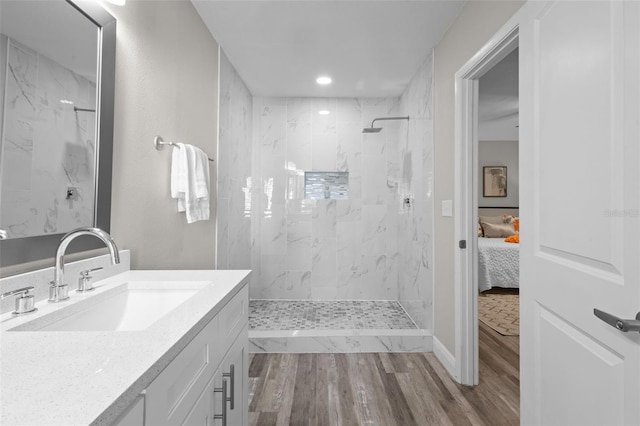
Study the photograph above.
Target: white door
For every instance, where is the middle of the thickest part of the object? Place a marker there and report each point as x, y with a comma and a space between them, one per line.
580, 211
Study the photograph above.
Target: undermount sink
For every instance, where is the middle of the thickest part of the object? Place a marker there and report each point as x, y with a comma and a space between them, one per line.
128, 307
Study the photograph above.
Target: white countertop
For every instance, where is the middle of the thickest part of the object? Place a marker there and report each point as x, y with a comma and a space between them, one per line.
81, 378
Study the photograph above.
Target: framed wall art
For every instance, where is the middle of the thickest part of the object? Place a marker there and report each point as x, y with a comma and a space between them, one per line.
494, 181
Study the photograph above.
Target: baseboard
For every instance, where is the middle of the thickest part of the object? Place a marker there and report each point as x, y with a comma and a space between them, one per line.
446, 359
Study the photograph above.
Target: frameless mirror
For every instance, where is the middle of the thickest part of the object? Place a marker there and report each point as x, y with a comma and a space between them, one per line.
57, 63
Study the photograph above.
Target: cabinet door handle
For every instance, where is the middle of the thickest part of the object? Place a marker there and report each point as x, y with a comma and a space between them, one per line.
231, 375
222, 416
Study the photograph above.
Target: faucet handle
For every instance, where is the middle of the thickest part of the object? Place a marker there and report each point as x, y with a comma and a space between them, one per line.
25, 303
84, 282
86, 272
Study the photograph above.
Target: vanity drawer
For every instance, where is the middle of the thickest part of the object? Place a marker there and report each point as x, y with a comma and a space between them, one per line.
234, 316
171, 395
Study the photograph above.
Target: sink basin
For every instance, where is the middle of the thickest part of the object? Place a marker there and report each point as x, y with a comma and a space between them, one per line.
127, 307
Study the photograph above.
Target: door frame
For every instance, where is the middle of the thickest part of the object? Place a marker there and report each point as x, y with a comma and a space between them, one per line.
466, 197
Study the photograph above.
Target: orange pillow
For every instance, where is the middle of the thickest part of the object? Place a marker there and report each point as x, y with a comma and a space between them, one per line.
513, 239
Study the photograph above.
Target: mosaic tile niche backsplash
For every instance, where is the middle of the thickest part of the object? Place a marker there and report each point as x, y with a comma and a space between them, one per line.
47, 147
326, 185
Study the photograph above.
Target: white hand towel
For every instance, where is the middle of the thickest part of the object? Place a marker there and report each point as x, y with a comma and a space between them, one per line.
197, 195
179, 177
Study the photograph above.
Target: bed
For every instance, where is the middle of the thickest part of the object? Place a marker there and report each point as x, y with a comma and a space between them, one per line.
498, 264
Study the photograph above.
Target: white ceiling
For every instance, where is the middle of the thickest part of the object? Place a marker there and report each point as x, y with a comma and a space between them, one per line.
498, 101
369, 48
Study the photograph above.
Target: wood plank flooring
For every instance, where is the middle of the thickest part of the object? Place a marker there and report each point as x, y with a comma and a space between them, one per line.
384, 389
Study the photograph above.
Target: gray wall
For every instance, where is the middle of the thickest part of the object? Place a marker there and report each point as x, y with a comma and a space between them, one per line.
475, 25
166, 84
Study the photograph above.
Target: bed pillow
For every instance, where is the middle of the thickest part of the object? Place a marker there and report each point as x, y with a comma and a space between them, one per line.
498, 230
488, 219
491, 219
512, 219
513, 239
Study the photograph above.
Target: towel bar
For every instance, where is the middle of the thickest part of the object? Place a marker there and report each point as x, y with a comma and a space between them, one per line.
159, 143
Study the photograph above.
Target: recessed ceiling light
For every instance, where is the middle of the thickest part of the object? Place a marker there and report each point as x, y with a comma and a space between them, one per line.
323, 80
324, 112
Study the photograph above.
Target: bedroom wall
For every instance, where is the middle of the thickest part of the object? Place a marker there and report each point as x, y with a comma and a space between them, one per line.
498, 212
476, 23
499, 153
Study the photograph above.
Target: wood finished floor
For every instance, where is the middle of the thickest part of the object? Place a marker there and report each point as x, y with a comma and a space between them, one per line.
384, 389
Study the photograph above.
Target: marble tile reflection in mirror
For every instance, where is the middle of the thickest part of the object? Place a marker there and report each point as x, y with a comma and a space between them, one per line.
48, 145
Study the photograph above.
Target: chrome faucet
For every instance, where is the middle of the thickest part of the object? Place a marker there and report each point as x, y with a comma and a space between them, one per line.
58, 289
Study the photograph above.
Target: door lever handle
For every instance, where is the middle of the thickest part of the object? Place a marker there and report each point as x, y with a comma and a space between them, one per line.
619, 323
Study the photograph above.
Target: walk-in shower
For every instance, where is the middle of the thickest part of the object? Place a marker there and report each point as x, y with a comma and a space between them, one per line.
379, 129
329, 273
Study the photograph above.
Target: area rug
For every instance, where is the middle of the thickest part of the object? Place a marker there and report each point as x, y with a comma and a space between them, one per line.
501, 312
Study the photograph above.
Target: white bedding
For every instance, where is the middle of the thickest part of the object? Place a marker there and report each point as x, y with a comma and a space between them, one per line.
498, 264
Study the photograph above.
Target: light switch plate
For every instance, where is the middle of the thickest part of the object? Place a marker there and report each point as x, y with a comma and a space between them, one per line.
447, 208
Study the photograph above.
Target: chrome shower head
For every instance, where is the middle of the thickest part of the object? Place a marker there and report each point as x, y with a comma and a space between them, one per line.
378, 129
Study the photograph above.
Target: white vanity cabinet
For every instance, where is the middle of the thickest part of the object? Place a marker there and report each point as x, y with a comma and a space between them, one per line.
184, 393
202, 412
233, 374
210, 409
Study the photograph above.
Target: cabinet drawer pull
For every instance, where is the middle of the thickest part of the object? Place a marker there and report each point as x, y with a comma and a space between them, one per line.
231, 375
222, 416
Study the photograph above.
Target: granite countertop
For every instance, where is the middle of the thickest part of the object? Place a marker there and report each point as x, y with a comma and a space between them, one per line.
91, 377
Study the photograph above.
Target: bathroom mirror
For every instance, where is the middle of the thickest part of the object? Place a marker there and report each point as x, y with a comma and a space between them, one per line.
57, 69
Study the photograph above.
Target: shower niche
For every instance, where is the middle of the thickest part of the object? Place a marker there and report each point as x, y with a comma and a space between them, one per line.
326, 185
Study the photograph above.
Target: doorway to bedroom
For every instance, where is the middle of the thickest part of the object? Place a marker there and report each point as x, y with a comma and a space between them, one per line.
473, 339
497, 248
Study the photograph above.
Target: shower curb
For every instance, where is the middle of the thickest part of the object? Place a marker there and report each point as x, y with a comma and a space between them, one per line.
340, 341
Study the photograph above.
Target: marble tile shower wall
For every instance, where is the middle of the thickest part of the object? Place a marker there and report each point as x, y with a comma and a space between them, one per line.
325, 249
415, 224
233, 202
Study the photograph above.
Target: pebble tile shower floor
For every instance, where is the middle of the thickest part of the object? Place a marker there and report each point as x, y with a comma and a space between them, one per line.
327, 315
